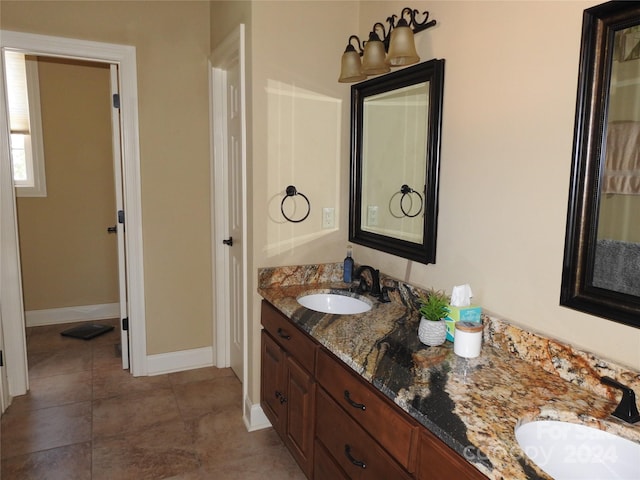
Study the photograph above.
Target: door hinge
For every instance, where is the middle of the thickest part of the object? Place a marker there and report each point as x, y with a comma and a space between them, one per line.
116, 100
1, 359
125, 323
121, 216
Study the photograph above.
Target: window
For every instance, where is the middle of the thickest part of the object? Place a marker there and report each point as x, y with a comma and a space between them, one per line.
27, 152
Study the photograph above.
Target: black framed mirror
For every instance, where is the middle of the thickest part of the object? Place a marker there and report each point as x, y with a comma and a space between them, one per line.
396, 122
601, 269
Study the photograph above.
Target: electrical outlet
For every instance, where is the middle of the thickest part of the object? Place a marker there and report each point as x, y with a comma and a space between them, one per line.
328, 217
372, 215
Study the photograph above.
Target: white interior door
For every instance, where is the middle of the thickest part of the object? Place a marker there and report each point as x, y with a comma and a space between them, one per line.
229, 203
116, 132
235, 203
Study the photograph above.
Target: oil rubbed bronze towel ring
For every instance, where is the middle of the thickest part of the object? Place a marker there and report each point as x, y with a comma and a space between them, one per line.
406, 191
291, 192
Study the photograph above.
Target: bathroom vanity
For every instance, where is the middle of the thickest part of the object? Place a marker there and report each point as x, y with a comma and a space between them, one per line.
358, 396
336, 425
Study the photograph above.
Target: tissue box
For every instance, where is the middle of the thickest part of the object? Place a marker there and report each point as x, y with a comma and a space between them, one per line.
465, 314
461, 314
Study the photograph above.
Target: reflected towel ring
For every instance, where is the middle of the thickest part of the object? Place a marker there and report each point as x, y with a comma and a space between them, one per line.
406, 190
291, 191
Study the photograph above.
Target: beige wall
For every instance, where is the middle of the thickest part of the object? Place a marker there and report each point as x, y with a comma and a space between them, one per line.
172, 46
300, 127
508, 117
68, 259
225, 16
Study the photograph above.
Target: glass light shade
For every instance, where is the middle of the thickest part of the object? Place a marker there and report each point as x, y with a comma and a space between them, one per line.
402, 48
351, 70
373, 60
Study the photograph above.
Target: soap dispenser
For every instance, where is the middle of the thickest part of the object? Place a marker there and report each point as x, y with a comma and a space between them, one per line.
347, 275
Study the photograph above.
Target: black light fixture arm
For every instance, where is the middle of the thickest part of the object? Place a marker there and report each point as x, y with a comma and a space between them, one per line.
360, 45
413, 23
379, 32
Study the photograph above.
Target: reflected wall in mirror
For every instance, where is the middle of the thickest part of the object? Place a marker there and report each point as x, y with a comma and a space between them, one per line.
395, 157
601, 271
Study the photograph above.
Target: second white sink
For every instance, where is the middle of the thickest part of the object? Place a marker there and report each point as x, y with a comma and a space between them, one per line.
334, 303
572, 451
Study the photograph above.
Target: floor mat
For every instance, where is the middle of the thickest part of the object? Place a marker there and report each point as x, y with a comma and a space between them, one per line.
86, 332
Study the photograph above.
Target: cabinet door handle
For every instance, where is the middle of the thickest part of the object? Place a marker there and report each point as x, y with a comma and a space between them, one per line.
357, 463
283, 334
347, 397
278, 394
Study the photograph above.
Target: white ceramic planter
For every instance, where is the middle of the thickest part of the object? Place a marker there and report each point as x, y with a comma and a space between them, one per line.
432, 333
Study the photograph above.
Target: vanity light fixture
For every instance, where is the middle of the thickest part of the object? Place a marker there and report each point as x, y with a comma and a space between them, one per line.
384, 49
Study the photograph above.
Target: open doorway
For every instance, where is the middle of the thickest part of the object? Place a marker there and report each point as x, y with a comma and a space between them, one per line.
11, 301
68, 244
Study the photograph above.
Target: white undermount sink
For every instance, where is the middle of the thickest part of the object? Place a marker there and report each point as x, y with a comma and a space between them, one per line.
334, 303
571, 451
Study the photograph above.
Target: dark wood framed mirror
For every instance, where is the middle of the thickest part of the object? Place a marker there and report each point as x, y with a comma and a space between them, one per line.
396, 122
601, 269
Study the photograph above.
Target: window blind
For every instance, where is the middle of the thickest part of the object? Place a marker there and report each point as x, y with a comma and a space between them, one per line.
17, 92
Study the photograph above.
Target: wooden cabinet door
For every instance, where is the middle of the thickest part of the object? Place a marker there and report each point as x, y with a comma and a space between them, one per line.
272, 385
300, 402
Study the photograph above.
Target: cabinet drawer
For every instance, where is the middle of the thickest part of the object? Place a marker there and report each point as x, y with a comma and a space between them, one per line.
324, 467
436, 461
290, 337
351, 447
390, 427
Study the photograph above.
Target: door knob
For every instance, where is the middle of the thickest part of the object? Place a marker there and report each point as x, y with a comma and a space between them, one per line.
113, 229
228, 241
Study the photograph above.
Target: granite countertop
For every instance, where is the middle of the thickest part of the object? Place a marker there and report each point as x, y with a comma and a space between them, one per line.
473, 405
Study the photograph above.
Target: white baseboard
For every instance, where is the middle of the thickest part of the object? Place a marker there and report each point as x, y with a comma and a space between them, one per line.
54, 316
253, 416
179, 361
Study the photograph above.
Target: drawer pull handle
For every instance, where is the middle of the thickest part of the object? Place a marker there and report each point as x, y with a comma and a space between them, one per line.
357, 463
283, 334
347, 397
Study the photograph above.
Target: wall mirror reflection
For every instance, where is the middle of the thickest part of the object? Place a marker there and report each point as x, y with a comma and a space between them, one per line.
601, 272
395, 156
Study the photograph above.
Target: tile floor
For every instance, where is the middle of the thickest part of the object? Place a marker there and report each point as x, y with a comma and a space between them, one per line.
86, 418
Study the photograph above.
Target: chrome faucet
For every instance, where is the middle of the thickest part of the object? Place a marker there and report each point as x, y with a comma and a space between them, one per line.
374, 289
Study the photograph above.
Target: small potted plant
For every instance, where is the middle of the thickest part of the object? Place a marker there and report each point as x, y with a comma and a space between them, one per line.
434, 308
